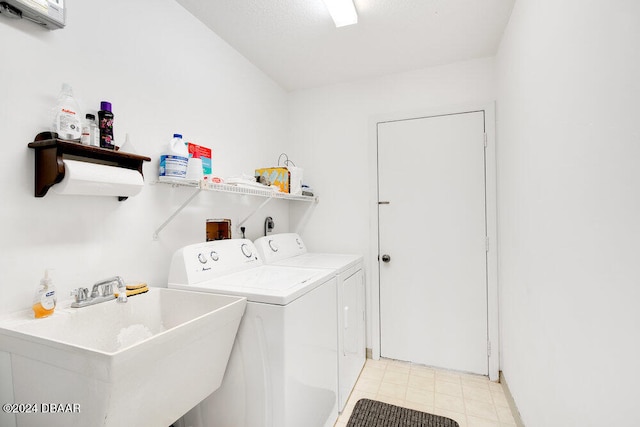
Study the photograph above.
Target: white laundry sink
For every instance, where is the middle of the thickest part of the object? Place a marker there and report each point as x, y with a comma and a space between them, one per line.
142, 363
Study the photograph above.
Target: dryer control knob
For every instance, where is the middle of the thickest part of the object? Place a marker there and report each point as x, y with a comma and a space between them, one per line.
273, 246
214, 256
202, 258
246, 250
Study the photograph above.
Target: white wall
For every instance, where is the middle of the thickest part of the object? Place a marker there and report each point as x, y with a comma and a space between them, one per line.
331, 138
568, 177
164, 72
569, 208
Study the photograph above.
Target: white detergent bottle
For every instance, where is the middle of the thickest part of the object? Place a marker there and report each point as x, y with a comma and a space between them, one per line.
67, 122
173, 161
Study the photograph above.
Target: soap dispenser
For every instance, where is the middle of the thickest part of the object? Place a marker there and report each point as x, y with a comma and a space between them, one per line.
44, 300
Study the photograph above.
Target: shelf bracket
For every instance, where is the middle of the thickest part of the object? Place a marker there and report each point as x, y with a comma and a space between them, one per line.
156, 234
224, 188
245, 219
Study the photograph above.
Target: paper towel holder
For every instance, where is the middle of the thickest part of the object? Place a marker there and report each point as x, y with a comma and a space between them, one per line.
50, 152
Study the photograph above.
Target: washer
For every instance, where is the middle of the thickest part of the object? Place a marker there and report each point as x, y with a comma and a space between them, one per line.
282, 371
288, 249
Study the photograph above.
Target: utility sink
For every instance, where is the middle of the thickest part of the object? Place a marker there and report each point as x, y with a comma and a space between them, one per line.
142, 363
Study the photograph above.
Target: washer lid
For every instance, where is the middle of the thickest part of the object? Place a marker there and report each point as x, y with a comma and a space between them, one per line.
266, 284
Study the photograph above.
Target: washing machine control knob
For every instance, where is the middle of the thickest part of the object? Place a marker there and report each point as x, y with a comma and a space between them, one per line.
202, 258
246, 250
273, 246
214, 256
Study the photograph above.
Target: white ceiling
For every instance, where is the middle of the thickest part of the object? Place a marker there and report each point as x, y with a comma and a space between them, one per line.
296, 43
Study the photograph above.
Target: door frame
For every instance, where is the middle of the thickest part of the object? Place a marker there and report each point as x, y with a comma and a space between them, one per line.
493, 334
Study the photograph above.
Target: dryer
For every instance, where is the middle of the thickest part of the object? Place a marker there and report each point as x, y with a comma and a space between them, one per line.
282, 371
288, 249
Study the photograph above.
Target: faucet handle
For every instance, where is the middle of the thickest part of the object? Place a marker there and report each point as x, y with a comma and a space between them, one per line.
80, 294
107, 290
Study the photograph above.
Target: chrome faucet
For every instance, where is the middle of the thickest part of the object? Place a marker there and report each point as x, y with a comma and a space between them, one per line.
83, 298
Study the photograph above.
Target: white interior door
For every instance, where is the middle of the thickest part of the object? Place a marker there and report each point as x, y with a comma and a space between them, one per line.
433, 290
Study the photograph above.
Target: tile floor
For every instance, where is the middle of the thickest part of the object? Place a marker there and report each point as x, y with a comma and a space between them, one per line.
471, 400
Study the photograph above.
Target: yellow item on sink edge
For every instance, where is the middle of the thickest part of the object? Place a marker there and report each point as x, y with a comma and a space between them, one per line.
135, 289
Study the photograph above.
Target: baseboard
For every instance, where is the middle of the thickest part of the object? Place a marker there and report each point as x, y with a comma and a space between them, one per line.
512, 403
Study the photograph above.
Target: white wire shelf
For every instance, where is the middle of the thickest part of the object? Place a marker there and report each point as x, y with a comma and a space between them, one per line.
202, 185
237, 189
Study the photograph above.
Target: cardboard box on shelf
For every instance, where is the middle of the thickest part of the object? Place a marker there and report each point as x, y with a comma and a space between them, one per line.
278, 176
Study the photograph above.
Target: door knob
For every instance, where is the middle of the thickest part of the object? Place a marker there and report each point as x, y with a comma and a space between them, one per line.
386, 258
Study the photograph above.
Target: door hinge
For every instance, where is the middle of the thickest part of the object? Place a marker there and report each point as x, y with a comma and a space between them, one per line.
485, 139
486, 243
489, 348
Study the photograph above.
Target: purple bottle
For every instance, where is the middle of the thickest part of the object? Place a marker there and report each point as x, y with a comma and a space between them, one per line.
106, 125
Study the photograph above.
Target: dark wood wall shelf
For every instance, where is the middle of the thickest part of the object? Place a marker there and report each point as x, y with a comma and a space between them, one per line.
50, 151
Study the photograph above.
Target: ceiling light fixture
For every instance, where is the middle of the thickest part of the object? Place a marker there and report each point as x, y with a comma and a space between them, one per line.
343, 12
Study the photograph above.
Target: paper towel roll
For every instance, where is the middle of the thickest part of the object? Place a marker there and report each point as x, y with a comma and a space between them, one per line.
91, 179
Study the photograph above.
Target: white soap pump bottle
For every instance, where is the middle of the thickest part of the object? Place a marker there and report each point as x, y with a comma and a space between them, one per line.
44, 300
